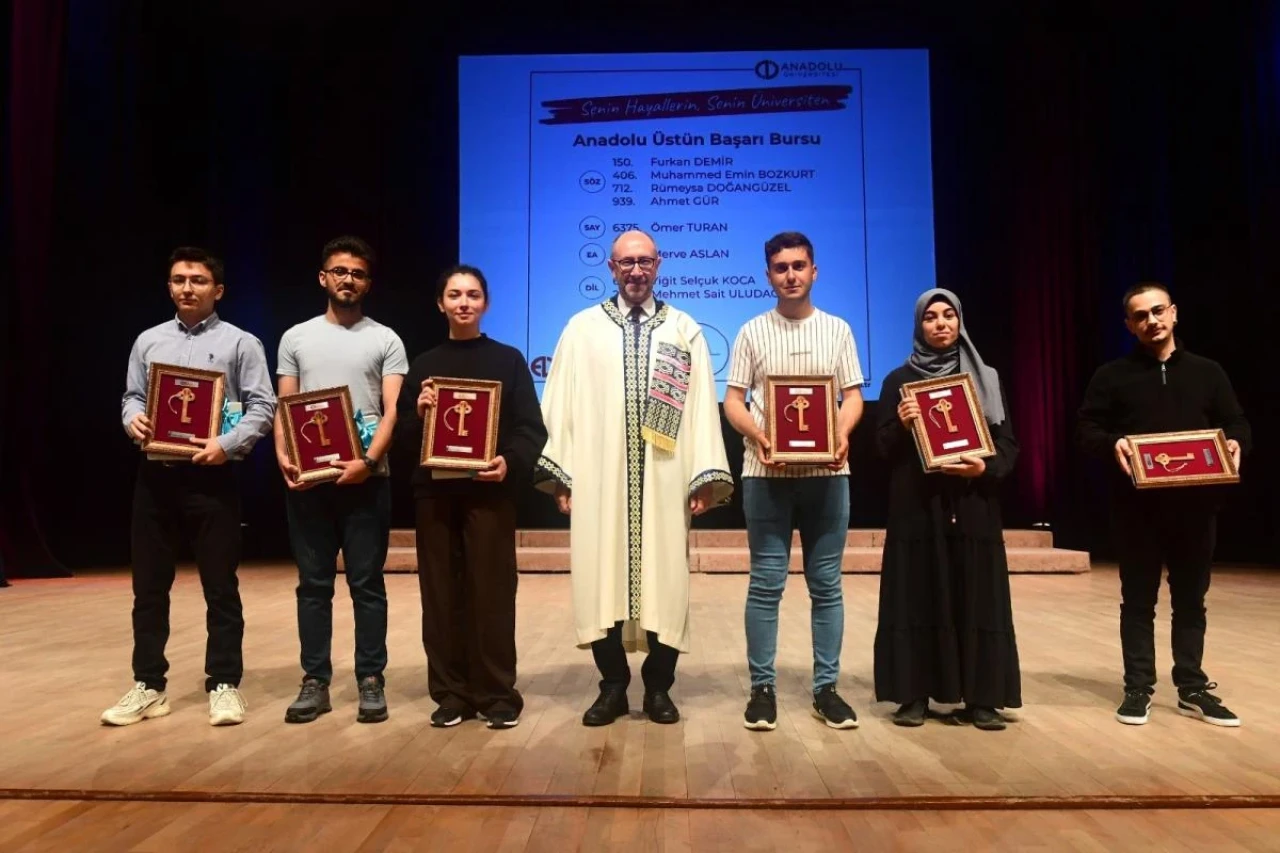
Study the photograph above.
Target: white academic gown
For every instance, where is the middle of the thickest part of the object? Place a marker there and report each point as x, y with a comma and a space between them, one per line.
629, 524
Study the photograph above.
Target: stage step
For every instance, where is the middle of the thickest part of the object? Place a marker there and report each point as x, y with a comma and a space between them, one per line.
865, 538
725, 552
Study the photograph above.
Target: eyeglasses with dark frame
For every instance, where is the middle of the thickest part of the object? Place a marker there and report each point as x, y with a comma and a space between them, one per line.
630, 263
194, 280
342, 272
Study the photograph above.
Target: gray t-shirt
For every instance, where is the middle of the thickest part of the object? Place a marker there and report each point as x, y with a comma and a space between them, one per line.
328, 355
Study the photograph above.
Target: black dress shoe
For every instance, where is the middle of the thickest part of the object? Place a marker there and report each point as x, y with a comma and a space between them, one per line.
660, 708
609, 706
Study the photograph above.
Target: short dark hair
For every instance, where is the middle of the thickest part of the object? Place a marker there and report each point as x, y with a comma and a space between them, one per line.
787, 240
196, 255
1143, 287
462, 269
348, 245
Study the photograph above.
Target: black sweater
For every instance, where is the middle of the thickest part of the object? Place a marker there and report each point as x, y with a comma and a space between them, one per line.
521, 433
1139, 394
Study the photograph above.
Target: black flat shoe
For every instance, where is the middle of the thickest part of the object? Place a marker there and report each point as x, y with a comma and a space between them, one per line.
911, 714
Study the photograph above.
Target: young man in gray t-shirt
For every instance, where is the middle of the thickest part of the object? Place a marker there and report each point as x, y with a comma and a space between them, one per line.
352, 513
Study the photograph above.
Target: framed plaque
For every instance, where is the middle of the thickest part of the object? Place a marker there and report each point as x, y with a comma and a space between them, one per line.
182, 403
461, 432
319, 429
1193, 458
800, 419
951, 423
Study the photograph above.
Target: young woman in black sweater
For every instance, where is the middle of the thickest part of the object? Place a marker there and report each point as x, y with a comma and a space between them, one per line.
466, 523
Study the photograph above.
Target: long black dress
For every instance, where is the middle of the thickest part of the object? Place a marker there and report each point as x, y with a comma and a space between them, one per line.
946, 622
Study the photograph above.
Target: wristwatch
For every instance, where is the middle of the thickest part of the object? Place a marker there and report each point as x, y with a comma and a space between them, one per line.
369, 463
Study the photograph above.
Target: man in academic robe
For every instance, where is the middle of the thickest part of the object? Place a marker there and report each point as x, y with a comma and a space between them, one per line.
634, 451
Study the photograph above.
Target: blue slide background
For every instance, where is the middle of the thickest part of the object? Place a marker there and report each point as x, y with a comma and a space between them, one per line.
538, 213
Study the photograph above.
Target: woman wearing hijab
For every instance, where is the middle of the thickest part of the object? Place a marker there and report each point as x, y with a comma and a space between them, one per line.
946, 622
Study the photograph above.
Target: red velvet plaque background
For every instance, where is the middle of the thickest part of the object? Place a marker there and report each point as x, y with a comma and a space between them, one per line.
171, 434
951, 422
816, 445
1181, 459
442, 446
313, 458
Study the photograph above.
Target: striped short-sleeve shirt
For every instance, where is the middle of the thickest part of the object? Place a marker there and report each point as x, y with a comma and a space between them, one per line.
772, 345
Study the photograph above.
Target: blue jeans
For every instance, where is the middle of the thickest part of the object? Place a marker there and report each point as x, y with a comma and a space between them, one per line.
357, 520
819, 507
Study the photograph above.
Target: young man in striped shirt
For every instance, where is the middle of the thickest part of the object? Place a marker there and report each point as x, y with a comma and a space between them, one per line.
795, 338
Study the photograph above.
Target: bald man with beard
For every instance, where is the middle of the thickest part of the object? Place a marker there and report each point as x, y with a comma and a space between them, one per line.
641, 456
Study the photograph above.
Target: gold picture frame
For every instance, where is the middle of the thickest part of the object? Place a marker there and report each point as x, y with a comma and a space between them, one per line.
784, 436
446, 441
196, 388
302, 447
972, 434
1182, 465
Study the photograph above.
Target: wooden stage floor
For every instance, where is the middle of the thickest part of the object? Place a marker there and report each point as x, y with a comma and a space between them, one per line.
1063, 776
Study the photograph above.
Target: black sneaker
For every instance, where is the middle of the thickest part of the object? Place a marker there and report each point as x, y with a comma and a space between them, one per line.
1203, 705
1135, 709
501, 718
312, 701
444, 717
911, 713
832, 710
762, 709
373, 701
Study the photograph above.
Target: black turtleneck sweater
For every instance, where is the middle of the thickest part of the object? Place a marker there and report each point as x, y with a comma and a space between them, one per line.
1138, 393
521, 433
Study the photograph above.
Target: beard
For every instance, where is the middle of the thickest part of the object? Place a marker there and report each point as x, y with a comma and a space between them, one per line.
345, 298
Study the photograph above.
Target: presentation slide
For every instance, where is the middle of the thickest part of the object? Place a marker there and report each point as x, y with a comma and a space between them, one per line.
712, 154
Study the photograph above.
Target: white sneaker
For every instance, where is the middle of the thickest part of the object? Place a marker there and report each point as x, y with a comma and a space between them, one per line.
140, 703
226, 706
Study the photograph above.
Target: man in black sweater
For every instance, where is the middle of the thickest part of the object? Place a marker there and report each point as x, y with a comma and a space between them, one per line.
1160, 387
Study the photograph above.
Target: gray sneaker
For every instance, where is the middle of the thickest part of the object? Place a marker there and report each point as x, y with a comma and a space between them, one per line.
373, 701
312, 701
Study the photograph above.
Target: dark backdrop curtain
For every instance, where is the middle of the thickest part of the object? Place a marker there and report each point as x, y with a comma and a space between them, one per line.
29, 439
1076, 149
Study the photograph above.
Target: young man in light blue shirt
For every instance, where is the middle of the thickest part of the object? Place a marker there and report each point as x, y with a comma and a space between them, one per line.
200, 495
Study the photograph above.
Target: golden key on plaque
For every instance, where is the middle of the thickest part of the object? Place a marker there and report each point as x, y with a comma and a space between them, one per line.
463, 408
186, 395
943, 406
799, 404
1164, 459
319, 419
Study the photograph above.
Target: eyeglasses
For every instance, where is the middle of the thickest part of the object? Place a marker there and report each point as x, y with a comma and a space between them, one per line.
195, 280
343, 272
631, 263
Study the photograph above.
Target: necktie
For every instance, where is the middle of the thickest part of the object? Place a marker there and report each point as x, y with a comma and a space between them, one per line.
637, 314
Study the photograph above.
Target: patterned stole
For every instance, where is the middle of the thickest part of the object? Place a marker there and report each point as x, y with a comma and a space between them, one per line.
668, 388
663, 405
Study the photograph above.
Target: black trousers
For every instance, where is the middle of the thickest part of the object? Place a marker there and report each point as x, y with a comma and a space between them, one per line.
658, 669
467, 577
1156, 530
180, 502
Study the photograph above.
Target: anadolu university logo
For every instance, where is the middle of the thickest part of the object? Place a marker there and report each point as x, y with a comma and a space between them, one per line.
767, 69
